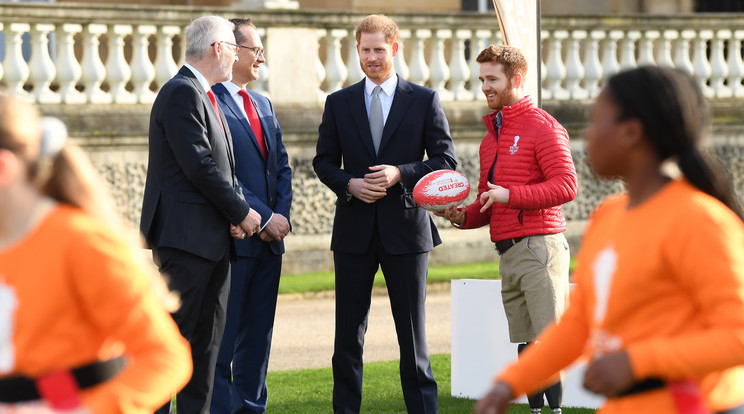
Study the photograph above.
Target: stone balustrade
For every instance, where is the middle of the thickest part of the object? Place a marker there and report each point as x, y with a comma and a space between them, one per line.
76, 54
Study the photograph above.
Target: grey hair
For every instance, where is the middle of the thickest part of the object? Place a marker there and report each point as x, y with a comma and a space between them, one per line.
204, 31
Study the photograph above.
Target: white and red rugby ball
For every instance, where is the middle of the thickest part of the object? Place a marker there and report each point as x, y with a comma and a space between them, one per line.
440, 189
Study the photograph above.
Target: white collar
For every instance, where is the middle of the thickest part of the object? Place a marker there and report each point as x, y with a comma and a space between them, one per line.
202, 80
232, 88
388, 86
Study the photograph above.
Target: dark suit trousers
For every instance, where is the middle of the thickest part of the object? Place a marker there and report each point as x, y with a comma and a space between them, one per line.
254, 287
405, 276
203, 286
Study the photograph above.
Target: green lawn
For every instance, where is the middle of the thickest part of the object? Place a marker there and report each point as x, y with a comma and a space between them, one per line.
321, 281
309, 391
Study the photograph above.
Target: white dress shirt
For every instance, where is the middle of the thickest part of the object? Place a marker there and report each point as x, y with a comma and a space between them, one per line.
386, 96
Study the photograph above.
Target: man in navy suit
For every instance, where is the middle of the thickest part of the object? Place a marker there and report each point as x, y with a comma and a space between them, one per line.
262, 168
370, 152
193, 203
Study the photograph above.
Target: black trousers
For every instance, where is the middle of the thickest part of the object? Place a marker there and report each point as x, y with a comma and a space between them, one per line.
405, 276
203, 286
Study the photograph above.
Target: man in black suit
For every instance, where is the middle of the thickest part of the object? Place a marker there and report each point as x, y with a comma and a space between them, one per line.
192, 202
370, 152
262, 168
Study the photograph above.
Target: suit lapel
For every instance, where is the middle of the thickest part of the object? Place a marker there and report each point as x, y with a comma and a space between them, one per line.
214, 118
401, 101
359, 114
237, 112
264, 127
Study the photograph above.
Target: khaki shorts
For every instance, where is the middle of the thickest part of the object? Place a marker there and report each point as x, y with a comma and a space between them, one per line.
534, 284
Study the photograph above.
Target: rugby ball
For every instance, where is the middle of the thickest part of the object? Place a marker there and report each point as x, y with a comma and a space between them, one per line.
440, 189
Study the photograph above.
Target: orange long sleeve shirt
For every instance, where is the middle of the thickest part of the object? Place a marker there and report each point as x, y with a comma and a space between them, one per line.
663, 281
70, 295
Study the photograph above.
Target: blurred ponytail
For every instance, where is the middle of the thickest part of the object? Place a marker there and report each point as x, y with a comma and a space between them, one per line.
64, 173
705, 173
675, 118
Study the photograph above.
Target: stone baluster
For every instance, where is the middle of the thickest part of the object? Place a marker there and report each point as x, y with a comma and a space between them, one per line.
182, 43
592, 65
93, 70
555, 67
459, 66
419, 69
575, 70
610, 64
16, 69
68, 67
118, 71
627, 52
261, 84
664, 55
478, 42
320, 71
544, 91
682, 59
399, 62
440, 72
353, 69
41, 67
646, 47
736, 65
718, 66
700, 64
165, 65
143, 71
334, 66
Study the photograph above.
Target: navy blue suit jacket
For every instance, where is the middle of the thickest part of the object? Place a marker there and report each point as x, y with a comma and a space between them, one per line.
416, 126
191, 193
266, 184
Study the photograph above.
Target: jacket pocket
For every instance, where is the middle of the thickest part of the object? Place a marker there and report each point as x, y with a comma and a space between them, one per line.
408, 201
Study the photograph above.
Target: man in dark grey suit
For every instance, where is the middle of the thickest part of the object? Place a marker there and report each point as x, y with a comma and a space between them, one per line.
192, 202
262, 168
379, 130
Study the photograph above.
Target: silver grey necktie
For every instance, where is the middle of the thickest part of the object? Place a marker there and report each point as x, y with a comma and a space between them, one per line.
376, 123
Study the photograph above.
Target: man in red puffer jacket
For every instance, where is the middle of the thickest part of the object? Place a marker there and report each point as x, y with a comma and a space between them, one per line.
526, 174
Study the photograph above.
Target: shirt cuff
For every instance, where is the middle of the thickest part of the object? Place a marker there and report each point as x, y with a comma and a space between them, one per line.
267, 221
348, 194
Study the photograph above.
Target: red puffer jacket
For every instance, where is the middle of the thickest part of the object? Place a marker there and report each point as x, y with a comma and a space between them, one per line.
534, 163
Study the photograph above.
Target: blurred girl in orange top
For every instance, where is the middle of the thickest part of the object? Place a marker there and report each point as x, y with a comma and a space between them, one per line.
658, 307
81, 327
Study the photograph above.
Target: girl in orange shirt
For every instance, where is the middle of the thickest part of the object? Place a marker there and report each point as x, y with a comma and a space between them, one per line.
81, 328
658, 307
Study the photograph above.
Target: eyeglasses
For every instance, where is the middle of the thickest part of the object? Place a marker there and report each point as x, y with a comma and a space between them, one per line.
256, 50
236, 48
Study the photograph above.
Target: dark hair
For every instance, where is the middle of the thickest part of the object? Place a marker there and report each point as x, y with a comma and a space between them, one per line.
240, 22
675, 118
509, 56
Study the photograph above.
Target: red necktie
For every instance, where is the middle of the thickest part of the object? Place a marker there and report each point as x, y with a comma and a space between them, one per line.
212, 98
252, 114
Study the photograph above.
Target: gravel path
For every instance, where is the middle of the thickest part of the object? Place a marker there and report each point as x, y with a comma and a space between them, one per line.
303, 330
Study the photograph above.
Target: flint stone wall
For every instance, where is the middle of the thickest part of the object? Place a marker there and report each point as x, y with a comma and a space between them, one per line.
115, 137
